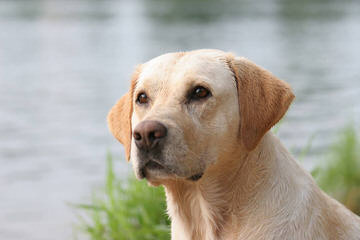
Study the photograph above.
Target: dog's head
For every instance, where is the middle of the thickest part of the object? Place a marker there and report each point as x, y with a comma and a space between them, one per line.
185, 110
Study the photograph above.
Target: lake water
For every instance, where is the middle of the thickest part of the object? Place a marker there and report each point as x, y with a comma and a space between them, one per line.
63, 64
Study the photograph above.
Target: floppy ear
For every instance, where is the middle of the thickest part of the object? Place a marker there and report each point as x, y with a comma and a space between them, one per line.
263, 100
119, 117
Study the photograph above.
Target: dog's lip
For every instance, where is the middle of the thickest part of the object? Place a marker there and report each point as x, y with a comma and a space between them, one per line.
196, 177
150, 165
153, 165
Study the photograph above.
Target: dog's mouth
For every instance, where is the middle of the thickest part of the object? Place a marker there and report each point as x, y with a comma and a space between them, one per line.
149, 166
195, 177
154, 165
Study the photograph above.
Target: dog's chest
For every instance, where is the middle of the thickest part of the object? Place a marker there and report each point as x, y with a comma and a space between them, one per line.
194, 218
199, 228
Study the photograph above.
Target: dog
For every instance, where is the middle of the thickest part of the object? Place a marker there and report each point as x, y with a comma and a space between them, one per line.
198, 123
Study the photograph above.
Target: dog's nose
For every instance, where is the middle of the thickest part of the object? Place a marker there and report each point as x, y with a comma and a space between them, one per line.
148, 134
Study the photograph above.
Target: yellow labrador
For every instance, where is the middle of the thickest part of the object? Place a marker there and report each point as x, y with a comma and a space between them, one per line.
198, 123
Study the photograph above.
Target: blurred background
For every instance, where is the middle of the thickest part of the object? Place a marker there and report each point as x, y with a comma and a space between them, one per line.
63, 64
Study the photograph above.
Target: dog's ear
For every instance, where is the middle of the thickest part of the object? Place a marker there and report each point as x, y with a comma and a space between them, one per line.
119, 117
263, 99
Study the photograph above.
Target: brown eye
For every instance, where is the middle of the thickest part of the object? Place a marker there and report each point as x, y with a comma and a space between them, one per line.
142, 98
199, 93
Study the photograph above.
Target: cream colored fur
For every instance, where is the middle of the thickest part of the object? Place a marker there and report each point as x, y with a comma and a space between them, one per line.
252, 188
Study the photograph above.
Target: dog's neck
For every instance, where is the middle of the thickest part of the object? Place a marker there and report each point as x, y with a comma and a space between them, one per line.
199, 209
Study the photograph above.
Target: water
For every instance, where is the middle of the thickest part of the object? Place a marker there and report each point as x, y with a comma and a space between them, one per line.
63, 64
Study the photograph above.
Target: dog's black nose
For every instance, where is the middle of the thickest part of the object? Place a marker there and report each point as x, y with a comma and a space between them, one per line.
148, 134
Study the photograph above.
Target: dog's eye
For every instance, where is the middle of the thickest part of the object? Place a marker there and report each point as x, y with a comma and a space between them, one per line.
142, 98
199, 92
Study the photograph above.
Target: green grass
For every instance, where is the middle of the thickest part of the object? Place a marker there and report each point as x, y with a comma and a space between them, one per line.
125, 210
128, 209
340, 176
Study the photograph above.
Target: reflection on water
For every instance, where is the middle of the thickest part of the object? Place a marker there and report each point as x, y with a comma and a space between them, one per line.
62, 66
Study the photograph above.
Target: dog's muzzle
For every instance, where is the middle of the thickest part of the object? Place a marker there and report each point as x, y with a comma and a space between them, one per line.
149, 138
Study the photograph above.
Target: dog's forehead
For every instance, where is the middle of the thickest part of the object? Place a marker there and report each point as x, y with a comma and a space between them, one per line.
175, 68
